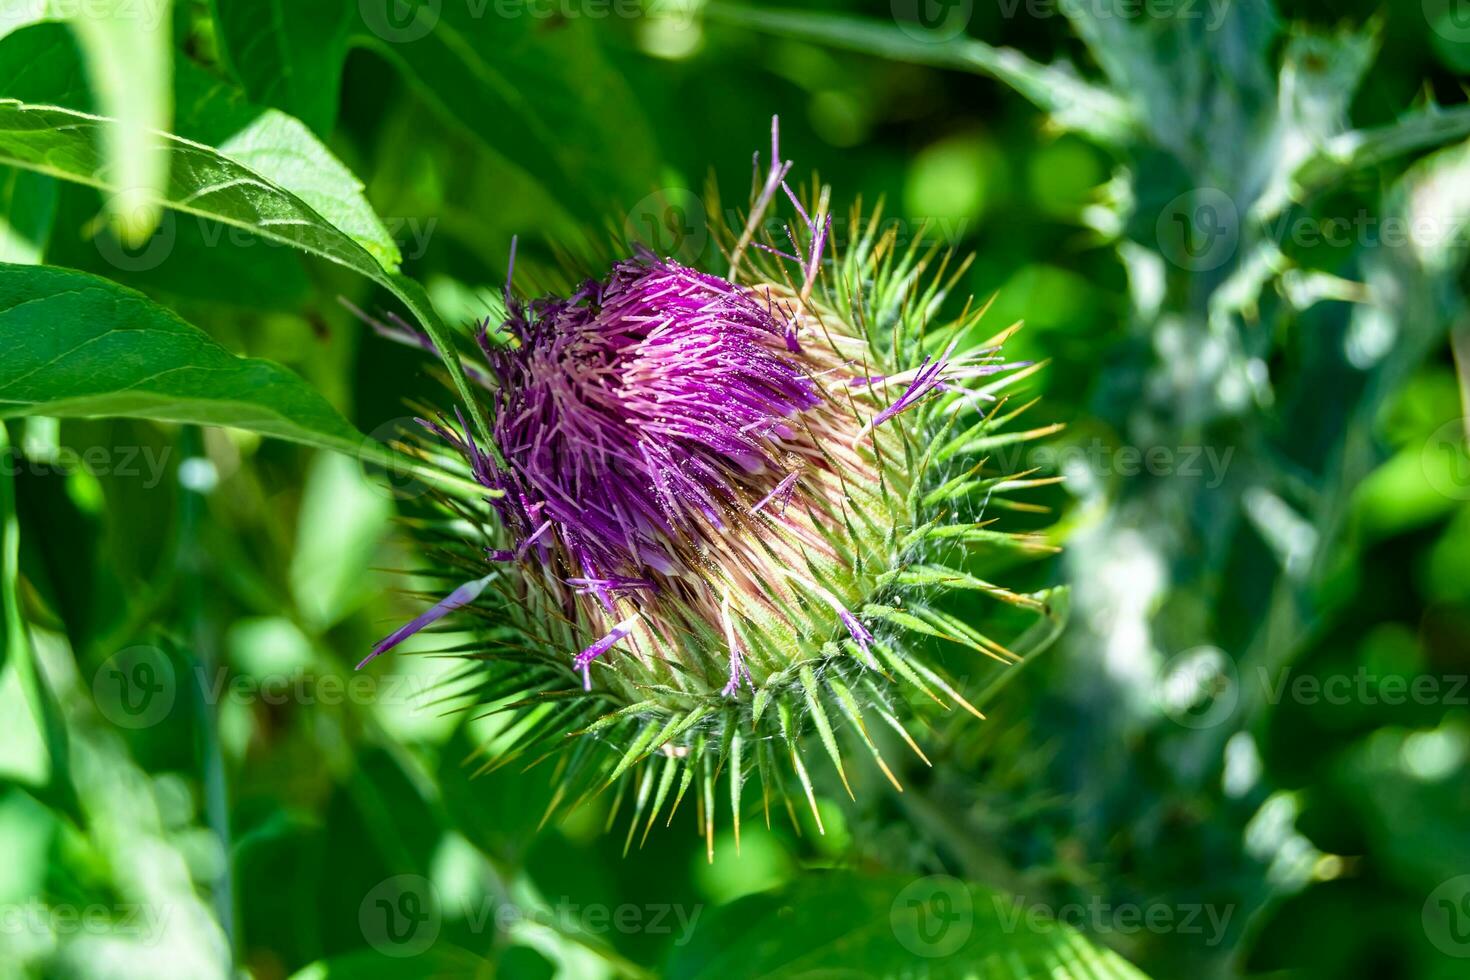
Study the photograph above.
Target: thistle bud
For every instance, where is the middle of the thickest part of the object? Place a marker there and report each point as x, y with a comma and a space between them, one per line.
710, 509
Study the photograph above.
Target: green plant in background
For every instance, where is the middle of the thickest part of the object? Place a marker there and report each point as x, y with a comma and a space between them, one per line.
194, 782
1248, 337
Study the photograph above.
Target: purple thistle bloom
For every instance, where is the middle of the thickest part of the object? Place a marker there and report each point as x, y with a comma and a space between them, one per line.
732, 468
597, 586
636, 412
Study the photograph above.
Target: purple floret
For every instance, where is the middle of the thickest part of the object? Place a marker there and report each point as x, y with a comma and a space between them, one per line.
634, 412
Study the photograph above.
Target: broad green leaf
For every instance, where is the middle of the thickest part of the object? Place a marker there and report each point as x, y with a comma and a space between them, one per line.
1074, 103
545, 99
188, 262
27, 211
843, 924
287, 53
204, 183
281, 149
43, 63
128, 58
39, 65
284, 151
81, 346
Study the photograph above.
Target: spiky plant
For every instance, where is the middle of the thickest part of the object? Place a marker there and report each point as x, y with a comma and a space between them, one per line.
713, 506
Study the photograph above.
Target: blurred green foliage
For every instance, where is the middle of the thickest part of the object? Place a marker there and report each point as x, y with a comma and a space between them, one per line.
1235, 229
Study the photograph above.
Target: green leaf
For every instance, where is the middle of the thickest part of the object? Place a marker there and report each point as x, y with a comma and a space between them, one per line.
43, 64
212, 112
287, 53
81, 346
39, 65
283, 150
844, 924
475, 67
204, 183
188, 263
27, 211
78, 345
1075, 103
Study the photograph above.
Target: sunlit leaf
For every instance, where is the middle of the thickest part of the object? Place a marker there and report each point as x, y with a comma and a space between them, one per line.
204, 183
80, 346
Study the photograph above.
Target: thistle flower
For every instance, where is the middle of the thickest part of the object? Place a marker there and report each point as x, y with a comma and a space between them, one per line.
711, 507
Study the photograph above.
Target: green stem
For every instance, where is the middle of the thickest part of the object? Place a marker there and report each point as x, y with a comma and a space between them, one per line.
18, 647
194, 558
417, 301
373, 452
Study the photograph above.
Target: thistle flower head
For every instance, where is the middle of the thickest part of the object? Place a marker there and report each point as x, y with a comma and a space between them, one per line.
710, 505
